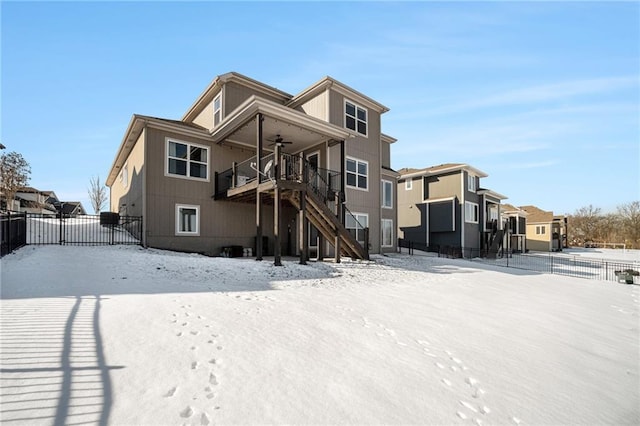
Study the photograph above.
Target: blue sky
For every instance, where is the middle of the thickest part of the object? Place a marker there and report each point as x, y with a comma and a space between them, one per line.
542, 96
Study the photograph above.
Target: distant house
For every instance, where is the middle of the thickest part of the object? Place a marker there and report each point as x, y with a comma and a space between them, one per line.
32, 200
545, 232
445, 206
517, 228
251, 166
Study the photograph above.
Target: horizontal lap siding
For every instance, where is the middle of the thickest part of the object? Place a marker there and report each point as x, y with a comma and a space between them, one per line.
222, 223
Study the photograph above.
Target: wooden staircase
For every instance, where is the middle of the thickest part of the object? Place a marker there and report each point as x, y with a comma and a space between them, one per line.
496, 244
328, 224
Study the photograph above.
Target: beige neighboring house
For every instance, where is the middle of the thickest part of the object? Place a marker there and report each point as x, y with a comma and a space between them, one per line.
517, 228
445, 207
545, 232
249, 166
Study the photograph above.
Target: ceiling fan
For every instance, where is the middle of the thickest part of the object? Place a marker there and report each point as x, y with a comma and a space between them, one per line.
278, 140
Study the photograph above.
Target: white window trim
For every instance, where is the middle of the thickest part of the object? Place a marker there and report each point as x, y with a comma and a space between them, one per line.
355, 215
541, 230
218, 96
472, 185
468, 219
408, 184
344, 117
384, 181
188, 206
382, 233
357, 160
189, 144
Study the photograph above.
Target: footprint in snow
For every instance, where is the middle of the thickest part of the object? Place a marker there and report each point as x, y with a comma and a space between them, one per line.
195, 332
204, 419
213, 379
194, 365
187, 412
516, 420
446, 382
439, 365
171, 392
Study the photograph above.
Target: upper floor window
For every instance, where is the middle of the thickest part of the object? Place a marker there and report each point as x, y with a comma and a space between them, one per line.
355, 117
387, 194
217, 109
408, 184
187, 159
472, 183
471, 212
357, 173
540, 230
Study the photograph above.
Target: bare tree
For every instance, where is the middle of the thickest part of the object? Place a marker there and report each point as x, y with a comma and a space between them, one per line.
14, 174
629, 215
97, 194
584, 224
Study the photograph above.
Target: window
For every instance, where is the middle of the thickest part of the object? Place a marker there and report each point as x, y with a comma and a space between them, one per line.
470, 212
217, 110
408, 184
357, 172
355, 117
355, 224
188, 160
387, 233
187, 220
387, 194
472, 183
540, 230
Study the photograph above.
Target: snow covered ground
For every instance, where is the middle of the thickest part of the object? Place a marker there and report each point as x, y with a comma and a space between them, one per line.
125, 336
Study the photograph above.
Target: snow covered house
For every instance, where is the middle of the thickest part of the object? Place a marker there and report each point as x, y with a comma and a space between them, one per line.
249, 166
444, 207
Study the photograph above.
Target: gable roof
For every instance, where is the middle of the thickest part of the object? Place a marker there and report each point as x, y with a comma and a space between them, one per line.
330, 82
537, 215
214, 87
440, 169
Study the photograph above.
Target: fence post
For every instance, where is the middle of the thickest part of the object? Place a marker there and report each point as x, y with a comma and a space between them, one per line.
60, 228
9, 238
551, 256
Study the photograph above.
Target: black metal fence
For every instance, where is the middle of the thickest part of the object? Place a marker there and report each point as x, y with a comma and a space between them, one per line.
13, 231
45, 229
549, 263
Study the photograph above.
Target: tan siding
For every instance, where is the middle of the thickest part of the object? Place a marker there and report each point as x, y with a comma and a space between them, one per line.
127, 200
221, 223
539, 242
445, 186
316, 107
235, 94
409, 215
205, 118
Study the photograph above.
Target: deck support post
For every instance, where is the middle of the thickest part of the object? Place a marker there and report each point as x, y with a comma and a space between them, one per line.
339, 211
258, 194
303, 229
277, 211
